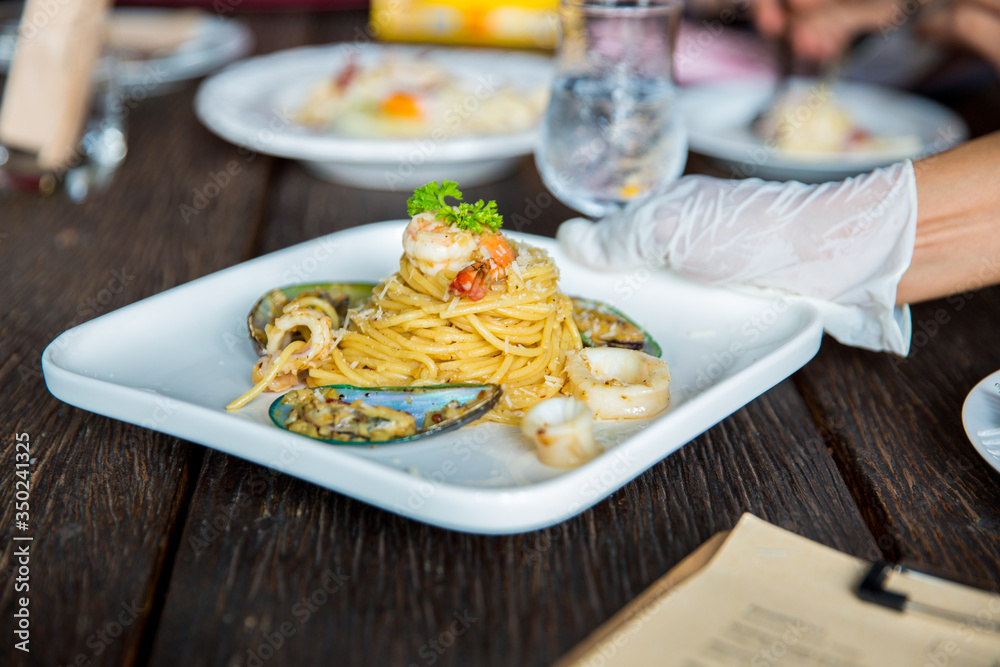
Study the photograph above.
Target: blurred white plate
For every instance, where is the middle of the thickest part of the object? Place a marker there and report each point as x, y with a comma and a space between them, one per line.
718, 117
724, 349
254, 104
213, 42
981, 412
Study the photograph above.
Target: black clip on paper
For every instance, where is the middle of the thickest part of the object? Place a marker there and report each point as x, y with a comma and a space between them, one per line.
873, 589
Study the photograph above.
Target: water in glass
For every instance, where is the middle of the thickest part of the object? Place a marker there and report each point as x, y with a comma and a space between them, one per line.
611, 132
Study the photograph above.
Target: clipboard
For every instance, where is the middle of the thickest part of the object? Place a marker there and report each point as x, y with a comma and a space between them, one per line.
759, 595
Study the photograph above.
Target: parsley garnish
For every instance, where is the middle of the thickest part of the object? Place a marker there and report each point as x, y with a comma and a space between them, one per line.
476, 218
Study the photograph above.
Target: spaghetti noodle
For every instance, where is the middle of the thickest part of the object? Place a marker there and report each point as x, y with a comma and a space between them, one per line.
465, 306
414, 332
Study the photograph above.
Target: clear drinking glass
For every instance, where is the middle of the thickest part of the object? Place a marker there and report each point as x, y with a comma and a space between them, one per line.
612, 132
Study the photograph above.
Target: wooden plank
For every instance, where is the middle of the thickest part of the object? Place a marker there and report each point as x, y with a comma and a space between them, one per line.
895, 428
107, 498
259, 545
276, 570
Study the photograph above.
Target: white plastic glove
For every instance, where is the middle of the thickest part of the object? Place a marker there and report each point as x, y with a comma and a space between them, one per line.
843, 246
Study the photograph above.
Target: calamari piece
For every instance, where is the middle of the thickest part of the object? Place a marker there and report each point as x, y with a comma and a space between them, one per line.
318, 345
562, 429
618, 383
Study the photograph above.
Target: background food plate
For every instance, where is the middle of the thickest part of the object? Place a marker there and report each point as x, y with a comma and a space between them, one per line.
254, 103
981, 412
173, 361
718, 118
214, 41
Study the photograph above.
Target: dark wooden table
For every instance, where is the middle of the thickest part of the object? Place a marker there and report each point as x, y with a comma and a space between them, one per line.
151, 550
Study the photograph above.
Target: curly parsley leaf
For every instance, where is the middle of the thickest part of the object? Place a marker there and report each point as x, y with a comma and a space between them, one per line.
431, 197
479, 216
476, 218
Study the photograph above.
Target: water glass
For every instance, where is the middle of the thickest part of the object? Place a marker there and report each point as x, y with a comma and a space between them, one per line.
612, 131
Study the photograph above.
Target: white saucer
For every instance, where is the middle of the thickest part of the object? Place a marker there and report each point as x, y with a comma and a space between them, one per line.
981, 412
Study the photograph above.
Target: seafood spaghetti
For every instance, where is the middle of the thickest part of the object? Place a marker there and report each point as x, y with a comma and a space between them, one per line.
467, 305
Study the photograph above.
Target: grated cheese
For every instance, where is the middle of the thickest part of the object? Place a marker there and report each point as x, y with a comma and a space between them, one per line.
388, 282
338, 335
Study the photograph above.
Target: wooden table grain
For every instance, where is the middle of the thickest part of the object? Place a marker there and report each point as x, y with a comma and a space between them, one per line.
150, 550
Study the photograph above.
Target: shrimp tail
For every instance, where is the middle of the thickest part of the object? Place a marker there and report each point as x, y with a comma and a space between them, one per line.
473, 282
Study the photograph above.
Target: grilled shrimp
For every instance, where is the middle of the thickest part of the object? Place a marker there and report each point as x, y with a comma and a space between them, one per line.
435, 246
480, 259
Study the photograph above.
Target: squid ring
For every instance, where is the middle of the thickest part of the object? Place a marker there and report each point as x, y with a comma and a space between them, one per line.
562, 429
618, 383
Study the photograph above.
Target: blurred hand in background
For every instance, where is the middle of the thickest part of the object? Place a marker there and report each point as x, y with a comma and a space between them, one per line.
820, 30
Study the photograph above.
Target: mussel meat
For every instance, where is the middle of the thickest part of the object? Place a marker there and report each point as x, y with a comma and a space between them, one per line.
602, 325
333, 299
382, 415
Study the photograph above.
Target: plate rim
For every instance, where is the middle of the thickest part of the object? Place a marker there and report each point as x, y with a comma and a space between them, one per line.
970, 430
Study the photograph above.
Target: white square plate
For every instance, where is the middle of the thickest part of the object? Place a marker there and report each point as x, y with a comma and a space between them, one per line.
173, 361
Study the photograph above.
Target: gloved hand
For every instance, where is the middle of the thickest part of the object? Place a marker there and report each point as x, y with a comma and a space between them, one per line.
843, 245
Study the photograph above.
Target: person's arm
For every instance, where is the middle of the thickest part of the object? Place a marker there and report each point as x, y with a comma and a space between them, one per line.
857, 248
957, 247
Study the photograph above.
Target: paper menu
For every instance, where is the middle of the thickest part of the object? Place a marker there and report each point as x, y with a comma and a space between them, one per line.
762, 596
